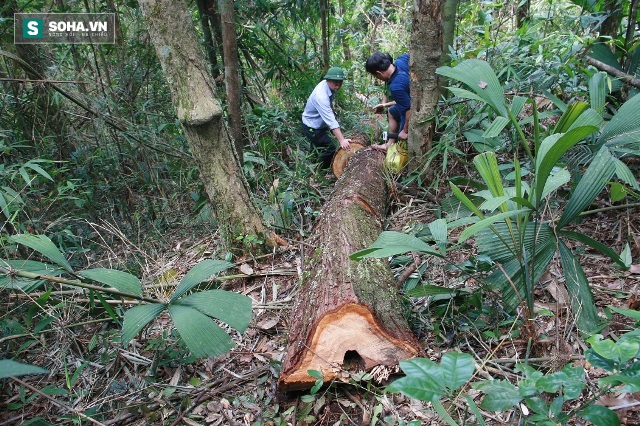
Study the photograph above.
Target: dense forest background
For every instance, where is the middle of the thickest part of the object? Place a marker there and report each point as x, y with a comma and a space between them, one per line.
513, 231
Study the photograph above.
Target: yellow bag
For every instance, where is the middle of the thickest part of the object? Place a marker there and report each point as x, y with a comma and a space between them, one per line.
397, 156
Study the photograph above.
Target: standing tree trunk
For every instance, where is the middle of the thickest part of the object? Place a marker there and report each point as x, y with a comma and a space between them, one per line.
449, 13
347, 315
207, 33
426, 51
632, 20
611, 25
324, 25
343, 36
523, 10
231, 72
192, 91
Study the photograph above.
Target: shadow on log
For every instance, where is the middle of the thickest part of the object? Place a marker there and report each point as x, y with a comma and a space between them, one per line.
347, 315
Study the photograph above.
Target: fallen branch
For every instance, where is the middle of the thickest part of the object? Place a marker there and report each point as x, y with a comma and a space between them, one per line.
629, 79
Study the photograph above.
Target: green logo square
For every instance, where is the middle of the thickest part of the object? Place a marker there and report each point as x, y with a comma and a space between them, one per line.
32, 28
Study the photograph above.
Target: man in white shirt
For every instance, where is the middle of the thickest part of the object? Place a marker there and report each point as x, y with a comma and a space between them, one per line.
318, 117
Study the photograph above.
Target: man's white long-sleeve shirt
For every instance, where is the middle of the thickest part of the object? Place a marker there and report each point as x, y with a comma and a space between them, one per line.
318, 112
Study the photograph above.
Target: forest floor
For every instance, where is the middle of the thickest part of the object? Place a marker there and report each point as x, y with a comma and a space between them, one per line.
154, 383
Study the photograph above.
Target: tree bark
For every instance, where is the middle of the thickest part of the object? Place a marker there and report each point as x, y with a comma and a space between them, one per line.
449, 23
348, 315
208, 37
426, 52
324, 25
632, 19
629, 79
610, 26
193, 95
231, 72
522, 14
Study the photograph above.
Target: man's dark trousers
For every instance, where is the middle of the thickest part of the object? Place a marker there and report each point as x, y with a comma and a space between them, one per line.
321, 143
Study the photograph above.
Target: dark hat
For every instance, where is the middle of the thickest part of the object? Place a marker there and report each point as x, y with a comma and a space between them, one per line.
335, 73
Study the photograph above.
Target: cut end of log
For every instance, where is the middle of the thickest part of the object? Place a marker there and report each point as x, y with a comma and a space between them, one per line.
348, 339
341, 157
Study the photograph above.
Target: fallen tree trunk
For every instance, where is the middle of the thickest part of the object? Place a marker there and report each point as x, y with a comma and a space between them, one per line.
347, 315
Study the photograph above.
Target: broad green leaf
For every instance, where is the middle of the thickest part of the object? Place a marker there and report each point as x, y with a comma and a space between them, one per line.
488, 221
481, 79
121, 281
523, 202
559, 103
628, 143
137, 317
43, 245
106, 306
229, 307
602, 248
487, 165
457, 369
493, 203
620, 351
4, 206
537, 405
598, 90
9, 367
588, 118
631, 313
552, 382
25, 176
517, 103
201, 272
599, 415
551, 150
575, 383
599, 361
631, 383
512, 273
592, 183
53, 390
580, 296
36, 168
315, 374
625, 256
424, 388
466, 201
625, 174
201, 334
438, 229
465, 94
494, 130
627, 350
556, 180
570, 116
618, 192
422, 367
391, 243
499, 395
25, 284
625, 121
502, 247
